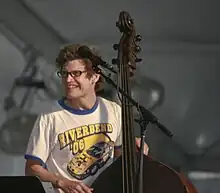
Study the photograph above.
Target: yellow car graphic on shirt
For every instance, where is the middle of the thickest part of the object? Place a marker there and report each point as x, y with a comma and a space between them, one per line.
91, 160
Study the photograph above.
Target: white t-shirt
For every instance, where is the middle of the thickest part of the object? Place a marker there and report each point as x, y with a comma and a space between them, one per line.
76, 144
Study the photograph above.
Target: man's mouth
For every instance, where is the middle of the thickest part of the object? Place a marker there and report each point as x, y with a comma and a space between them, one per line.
72, 86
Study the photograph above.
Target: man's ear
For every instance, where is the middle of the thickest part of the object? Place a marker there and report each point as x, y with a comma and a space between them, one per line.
95, 78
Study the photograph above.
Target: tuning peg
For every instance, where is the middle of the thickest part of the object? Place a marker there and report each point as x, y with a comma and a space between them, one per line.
138, 38
137, 49
114, 61
115, 46
119, 26
138, 60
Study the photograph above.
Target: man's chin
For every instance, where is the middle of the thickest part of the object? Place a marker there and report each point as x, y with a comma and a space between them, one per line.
72, 96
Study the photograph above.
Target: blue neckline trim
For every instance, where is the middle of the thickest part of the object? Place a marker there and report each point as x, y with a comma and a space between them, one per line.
77, 111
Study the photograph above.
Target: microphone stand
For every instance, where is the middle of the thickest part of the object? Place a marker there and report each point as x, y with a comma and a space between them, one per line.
147, 117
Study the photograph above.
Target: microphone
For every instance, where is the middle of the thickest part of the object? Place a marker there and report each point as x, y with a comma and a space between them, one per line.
85, 52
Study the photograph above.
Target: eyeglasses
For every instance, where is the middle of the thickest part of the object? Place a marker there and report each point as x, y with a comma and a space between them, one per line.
75, 73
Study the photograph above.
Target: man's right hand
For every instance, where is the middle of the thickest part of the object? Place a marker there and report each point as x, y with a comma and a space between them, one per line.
69, 186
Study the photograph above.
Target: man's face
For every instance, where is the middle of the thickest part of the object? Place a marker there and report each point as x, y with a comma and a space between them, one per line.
75, 80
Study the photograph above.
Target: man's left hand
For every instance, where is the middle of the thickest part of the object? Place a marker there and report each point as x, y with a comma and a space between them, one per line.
138, 144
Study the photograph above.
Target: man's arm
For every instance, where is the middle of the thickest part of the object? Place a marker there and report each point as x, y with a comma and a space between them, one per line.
34, 168
117, 150
38, 150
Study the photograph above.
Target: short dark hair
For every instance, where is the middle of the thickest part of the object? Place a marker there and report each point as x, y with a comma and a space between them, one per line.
71, 52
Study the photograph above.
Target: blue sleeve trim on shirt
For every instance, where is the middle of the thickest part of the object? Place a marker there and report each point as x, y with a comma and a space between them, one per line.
118, 147
32, 157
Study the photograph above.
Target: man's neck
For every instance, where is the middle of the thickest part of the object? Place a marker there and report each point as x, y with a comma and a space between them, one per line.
83, 103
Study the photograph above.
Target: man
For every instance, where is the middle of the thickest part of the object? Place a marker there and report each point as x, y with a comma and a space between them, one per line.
78, 138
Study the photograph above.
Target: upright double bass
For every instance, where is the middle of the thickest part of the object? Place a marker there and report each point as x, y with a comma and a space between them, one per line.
121, 176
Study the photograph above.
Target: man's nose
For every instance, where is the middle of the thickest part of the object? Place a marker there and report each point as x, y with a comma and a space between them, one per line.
69, 78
